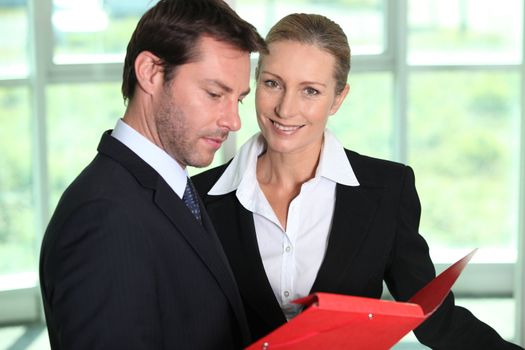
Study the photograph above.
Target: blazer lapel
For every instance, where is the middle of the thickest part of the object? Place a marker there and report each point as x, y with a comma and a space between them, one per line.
354, 212
240, 243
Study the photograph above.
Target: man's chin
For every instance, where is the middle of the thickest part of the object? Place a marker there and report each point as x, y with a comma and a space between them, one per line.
201, 163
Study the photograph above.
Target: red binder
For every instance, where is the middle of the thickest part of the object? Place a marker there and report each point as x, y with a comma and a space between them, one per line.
333, 321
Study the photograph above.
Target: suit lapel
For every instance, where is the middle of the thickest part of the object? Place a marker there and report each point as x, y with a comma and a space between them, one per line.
202, 238
204, 241
354, 212
240, 243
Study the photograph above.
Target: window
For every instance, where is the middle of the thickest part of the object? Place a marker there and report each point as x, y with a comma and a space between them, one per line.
466, 156
17, 233
464, 60
364, 121
61, 77
363, 18
464, 32
73, 133
92, 31
13, 47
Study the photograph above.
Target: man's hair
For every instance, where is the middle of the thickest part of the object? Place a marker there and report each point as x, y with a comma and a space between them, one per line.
171, 29
317, 30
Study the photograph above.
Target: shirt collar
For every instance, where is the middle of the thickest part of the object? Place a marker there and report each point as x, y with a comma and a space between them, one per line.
167, 167
242, 166
333, 164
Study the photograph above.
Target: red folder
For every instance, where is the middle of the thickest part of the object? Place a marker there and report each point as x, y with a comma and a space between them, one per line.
332, 321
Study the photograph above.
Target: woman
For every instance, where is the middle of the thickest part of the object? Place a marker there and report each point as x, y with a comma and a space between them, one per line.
297, 213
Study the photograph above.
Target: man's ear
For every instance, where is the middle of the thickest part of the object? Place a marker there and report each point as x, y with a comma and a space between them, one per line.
149, 72
339, 100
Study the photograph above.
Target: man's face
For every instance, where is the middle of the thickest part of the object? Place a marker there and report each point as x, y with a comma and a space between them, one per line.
197, 109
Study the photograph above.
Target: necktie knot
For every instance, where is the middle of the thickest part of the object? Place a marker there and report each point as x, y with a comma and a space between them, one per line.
190, 199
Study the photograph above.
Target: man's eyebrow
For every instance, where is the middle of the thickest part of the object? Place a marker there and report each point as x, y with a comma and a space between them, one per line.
220, 84
225, 87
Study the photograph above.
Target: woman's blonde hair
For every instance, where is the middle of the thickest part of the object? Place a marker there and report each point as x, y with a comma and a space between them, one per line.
318, 30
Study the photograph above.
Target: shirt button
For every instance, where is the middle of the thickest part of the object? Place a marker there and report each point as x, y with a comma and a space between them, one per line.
286, 293
288, 249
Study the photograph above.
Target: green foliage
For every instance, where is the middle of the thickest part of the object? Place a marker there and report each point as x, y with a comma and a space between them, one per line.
77, 116
462, 137
364, 121
16, 203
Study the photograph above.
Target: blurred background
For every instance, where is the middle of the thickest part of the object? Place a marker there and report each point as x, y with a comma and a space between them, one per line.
436, 84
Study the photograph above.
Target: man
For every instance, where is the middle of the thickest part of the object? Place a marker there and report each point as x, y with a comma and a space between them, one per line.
130, 259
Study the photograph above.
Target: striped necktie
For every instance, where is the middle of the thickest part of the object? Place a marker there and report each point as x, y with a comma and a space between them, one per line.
190, 199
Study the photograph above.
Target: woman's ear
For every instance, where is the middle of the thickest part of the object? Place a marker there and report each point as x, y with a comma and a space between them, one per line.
149, 72
339, 99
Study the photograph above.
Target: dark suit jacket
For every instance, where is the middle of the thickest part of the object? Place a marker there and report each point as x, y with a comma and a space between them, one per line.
374, 238
124, 265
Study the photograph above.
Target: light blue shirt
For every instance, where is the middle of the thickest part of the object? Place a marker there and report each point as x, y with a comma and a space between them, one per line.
167, 167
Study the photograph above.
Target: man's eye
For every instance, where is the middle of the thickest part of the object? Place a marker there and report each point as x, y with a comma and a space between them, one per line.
213, 94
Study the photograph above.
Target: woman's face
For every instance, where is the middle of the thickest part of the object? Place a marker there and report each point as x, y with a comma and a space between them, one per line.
295, 95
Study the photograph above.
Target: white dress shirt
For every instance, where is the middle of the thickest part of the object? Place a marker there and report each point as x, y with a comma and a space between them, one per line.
154, 156
291, 257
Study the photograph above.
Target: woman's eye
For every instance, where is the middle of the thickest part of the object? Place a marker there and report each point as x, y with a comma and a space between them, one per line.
271, 83
311, 91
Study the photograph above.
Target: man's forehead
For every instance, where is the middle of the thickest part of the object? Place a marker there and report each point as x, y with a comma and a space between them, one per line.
207, 43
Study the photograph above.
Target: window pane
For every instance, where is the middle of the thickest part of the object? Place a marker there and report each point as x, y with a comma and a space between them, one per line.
465, 31
364, 121
362, 20
77, 117
13, 46
249, 124
17, 230
87, 31
464, 146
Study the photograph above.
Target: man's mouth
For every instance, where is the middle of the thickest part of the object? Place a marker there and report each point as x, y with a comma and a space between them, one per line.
216, 141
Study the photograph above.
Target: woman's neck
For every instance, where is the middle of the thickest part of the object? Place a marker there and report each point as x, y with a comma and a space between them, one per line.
286, 170
281, 175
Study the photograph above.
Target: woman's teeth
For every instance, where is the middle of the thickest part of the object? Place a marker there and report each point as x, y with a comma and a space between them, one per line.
285, 128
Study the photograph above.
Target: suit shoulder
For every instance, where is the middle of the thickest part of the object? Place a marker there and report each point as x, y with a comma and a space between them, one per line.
371, 169
101, 180
204, 181
102, 174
